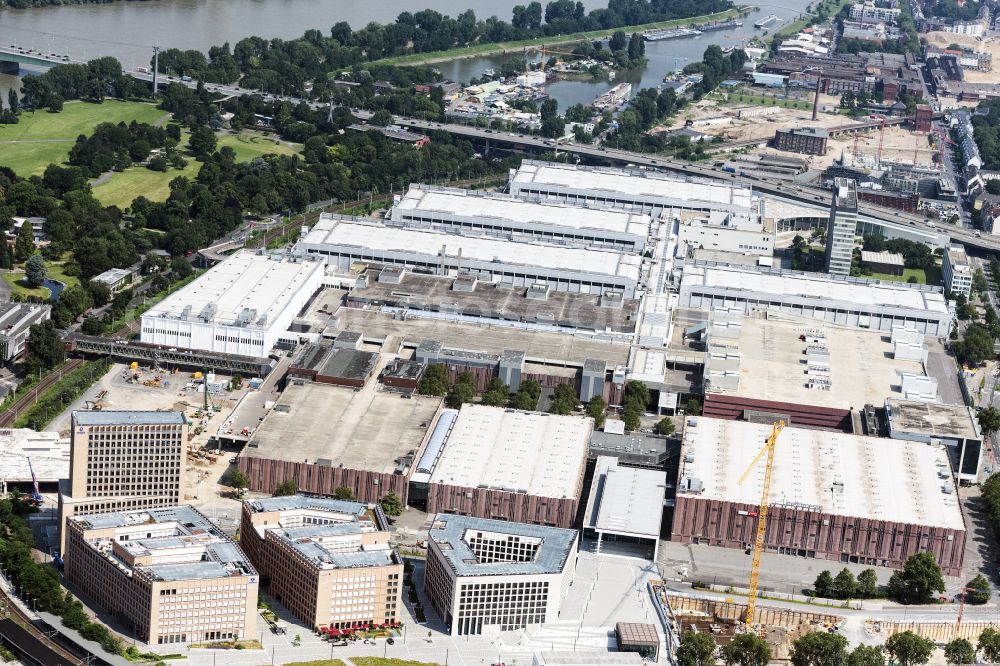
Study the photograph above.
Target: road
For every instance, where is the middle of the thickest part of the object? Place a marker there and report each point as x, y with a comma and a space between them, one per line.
764, 184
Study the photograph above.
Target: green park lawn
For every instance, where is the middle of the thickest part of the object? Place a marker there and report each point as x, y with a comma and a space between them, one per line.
123, 187
929, 276
248, 146
75, 119
13, 278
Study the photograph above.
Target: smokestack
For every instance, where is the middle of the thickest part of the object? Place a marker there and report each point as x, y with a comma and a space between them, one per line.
819, 77
460, 261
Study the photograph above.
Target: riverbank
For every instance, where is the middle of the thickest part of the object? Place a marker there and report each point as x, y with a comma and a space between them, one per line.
500, 48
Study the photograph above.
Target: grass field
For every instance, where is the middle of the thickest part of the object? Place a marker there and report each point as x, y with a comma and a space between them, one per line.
382, 661
122, 188
75, 119
503, 47
14, 278
248, 146
930, 276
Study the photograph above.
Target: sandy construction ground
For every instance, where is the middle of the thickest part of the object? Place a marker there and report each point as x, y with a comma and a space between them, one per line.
988, 45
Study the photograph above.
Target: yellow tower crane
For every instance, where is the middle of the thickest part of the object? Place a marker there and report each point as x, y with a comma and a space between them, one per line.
758, 546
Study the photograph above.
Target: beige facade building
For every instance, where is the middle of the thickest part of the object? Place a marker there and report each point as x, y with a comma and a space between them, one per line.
168, 574
327, 560
483, 572
122, 461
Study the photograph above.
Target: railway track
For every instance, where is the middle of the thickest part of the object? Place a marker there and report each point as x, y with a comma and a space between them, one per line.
8, 416
12, 610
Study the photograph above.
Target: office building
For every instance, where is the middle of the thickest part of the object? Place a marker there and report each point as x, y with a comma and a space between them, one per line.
115, 279
328, 561
344, 241
637, 190
807, 140
16, 320
505, 464
842, 227
493, 573
871, 304
243, 305
833, 495
479, 213
169, 575
123, 461
956, 270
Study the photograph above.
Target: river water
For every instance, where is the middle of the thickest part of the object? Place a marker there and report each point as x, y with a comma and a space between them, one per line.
126, 30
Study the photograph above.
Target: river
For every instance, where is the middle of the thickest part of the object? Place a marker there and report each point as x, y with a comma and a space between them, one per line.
127, 29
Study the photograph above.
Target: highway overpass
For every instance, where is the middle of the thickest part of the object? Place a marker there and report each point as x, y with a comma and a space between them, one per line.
875, 216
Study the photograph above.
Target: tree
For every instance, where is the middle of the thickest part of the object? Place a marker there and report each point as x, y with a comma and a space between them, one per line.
238, 480
181, 268
909, 649
343, 493
823, 586
976, 346
866, 655
203, 141
959, 651
286, 488
844, 585
917, 582
989, 645
746, 650
435, 380
564, 400
979, 590
55, 103
618, 41
989, 420
391, 505
693, 407
462, 391
664, 426
696, 649
34, 271
382, 118
597, 409
819, 648
867, 584
24, 246
12, 101
45, 349
497, 393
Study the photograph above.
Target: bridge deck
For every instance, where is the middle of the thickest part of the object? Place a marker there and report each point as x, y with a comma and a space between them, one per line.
195, 359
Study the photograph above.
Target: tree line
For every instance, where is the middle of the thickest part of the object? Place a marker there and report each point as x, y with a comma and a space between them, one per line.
987, 134
285, 66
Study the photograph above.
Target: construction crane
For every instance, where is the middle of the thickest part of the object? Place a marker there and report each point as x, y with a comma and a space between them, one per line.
543, 50
881, 139
36, 495
758, 546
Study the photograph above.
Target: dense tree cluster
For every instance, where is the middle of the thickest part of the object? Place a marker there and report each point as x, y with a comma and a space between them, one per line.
915, 255
845, 585
285, 66
116, 146
987, 135
92, 82
41, 581
918, 580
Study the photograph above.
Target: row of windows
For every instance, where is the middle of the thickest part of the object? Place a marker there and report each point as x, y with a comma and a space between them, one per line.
160, 331
242, 341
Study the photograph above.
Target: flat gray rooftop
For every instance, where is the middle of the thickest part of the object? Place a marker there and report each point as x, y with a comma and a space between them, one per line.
300, 501
623, 500
932, 418
367, 429
448, 531
632, 448
330, 361
862, 369
538, 345
561, 308
101, 418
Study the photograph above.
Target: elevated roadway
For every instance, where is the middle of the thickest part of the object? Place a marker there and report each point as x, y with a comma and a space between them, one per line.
194, 359
876, 216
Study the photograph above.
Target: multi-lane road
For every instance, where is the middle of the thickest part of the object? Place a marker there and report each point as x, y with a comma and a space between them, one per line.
769, 185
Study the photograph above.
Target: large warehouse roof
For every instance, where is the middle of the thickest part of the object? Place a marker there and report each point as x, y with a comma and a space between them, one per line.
370, 236
849, 475
623, 500
364, 430
815, 285
642, 184
246, 289
491, 206
541, 454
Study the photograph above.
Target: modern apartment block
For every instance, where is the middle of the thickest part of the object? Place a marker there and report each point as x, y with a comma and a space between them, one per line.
808, 140
956, 270
327, 560
842, 227
123, 461
167, 574
483, 572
